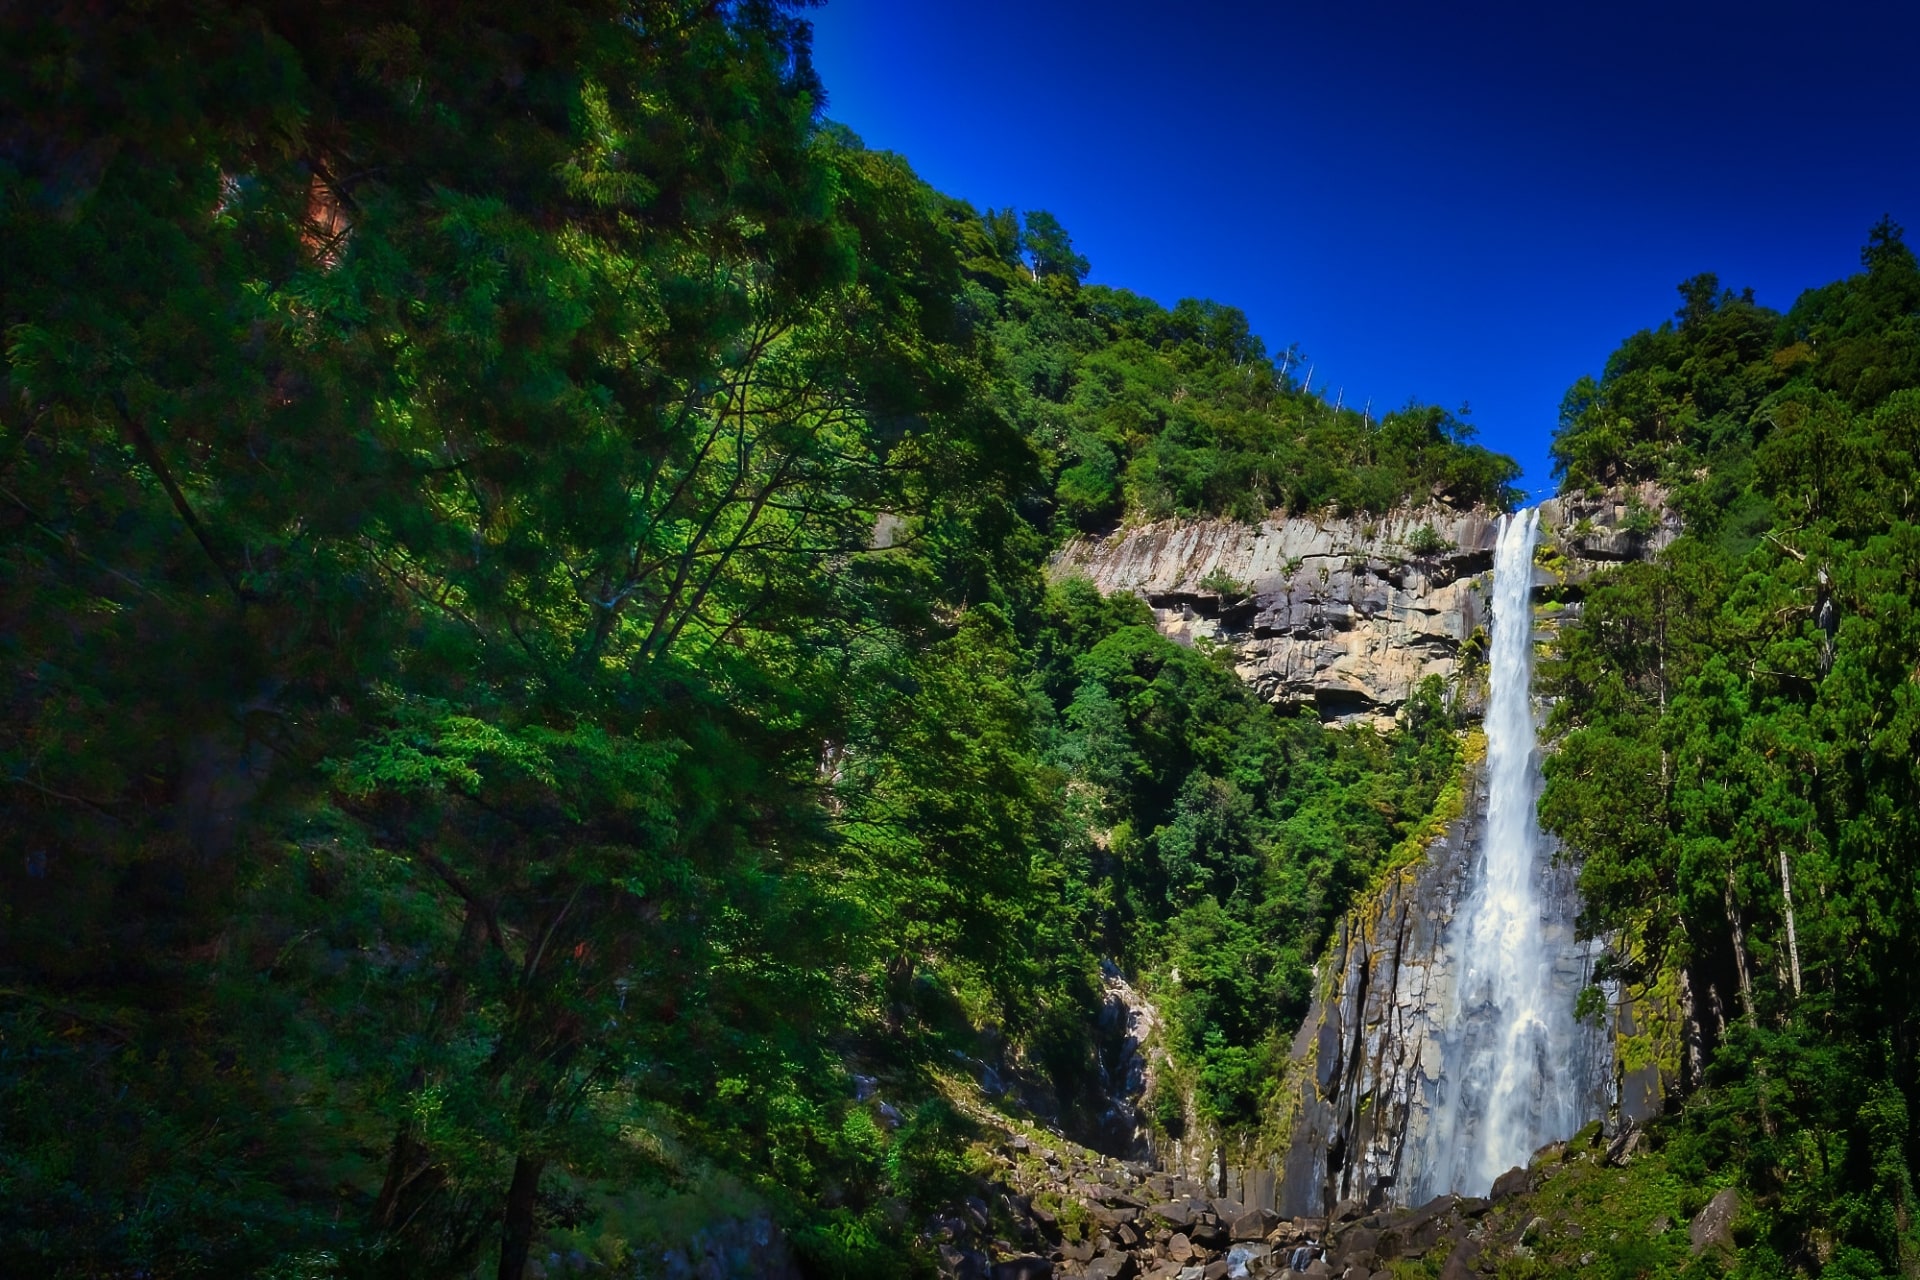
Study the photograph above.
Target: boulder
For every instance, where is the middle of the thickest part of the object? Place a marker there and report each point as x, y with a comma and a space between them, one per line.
1023, 1268
1426, 1227
1459, 1265
1112, 1266
1252, 1225
962, 1264
1712, 1228
1175, 1213
1359, 1240
1509, 1184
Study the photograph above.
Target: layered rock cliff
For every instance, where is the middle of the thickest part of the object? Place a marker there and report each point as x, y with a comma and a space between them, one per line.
1349, 613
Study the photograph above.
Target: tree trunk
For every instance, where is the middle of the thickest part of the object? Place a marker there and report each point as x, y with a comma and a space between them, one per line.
1793, 937
1739, 949
1692, 1036
516, 1233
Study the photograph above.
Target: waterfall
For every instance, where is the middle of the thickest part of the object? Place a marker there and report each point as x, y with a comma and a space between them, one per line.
1516, 1068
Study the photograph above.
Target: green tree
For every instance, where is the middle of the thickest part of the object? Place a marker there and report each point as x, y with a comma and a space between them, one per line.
1050, 250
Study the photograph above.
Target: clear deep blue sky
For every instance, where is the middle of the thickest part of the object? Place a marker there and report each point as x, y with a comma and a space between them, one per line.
1460, 202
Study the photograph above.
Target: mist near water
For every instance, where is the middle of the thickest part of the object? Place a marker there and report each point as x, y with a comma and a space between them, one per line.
1516, 1068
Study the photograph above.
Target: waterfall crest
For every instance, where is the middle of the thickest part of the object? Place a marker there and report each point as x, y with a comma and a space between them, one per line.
1517, 1066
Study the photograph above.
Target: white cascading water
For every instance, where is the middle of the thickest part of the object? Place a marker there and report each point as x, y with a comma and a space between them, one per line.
1516, 1065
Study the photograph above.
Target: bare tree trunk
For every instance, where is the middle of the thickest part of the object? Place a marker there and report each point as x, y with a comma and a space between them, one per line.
1692, 1034
1739, 949
1793, 937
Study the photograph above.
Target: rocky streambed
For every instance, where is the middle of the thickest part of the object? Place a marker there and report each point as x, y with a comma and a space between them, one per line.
1063, 1211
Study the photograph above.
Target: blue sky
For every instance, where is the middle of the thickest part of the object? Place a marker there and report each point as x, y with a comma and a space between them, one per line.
1463, 202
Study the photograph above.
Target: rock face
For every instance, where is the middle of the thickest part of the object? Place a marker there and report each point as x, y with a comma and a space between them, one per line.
1633, 522
1347, 614
1367, 1067
1713, 1228
1126, 1031
1350, 613
1367, 1060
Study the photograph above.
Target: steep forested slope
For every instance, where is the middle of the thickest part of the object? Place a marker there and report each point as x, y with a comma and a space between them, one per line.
527, 660
1736, 754
1139, 409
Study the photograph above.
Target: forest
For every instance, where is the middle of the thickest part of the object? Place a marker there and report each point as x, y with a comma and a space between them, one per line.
1735, 758
531, 667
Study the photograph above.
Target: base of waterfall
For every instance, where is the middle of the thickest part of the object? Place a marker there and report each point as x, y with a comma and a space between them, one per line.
1056, 1209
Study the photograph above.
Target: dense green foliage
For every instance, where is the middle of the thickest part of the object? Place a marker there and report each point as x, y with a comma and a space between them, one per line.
527, 655
1737, 744
1138, 409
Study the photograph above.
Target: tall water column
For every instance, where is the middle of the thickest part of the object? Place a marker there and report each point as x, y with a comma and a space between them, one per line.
1518, 1069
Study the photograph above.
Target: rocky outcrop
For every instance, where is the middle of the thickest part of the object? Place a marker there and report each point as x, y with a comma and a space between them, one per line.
1064, 1210
1057, 1210
1349, 614
1632, 522
1125, 1033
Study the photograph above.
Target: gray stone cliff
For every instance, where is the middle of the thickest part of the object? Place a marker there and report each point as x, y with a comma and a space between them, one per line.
1348, 613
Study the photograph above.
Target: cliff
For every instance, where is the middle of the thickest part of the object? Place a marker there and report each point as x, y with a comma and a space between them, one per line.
1349, 614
